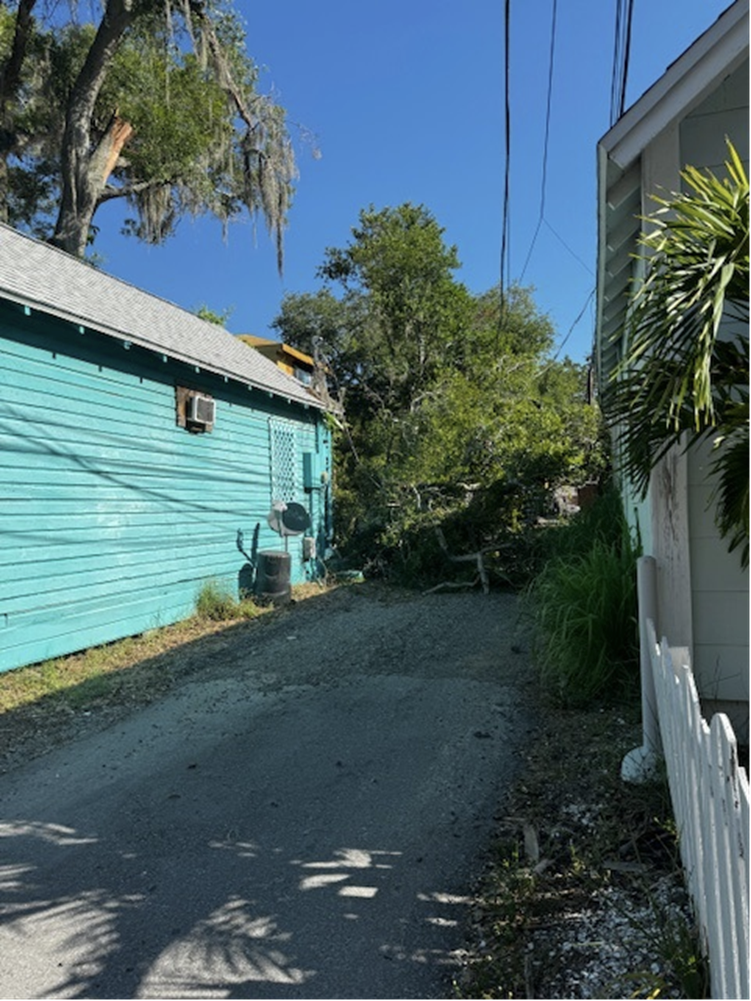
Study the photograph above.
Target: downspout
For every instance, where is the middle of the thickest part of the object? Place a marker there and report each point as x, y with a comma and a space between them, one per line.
640, 765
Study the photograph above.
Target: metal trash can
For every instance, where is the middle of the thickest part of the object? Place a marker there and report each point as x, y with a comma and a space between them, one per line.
273, 577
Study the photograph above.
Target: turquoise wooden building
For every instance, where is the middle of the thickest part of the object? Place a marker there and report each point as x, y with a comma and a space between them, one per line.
141, 453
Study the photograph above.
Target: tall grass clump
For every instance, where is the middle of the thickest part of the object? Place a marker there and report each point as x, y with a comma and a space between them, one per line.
583, 603
217, 603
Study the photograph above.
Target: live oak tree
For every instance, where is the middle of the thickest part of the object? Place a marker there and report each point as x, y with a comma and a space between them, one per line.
157, 104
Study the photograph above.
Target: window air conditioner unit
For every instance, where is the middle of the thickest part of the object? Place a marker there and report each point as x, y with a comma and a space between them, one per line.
201, 409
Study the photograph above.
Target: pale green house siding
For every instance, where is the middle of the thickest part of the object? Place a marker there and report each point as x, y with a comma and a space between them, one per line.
724, 114
719, 588
684, 119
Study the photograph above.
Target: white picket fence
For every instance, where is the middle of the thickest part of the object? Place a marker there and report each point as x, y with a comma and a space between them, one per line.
710, 797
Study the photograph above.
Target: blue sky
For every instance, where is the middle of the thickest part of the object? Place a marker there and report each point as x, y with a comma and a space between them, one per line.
406, 103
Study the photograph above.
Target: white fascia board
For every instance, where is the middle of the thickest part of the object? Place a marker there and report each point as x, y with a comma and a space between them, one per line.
602, 180
715, 54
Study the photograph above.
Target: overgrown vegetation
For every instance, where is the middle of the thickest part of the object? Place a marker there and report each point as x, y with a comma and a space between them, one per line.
457, 416
216, 602
583, 602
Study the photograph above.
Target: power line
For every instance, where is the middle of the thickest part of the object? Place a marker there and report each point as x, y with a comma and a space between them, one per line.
626, 57
624, 12
572, 252
614, 73
505, 226
505, 218
574, 324
543, 185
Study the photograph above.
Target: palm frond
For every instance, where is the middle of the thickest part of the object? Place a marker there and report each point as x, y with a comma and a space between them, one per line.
685, 370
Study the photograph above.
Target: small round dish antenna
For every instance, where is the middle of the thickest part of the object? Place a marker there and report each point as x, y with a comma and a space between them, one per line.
288, 518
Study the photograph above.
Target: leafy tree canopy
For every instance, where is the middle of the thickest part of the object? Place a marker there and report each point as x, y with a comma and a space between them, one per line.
156, 104
397, 276
205, 312
447, 395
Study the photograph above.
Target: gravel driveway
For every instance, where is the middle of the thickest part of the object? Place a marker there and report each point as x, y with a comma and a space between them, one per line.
299, 818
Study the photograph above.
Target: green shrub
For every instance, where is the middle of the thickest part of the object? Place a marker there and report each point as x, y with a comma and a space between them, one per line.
571, 536
215, 601
583, 603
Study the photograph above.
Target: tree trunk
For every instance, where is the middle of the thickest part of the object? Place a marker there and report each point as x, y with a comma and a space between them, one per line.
84, 165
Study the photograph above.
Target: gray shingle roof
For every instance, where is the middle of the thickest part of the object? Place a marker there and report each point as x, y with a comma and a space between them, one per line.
46, 279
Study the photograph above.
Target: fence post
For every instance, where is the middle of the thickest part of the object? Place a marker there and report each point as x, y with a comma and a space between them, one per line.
640, 764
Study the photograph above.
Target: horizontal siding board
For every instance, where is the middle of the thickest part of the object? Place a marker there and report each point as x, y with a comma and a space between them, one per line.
73, 525
30, 576
56, 375
43, 429
717, 615
88, 627
112, 516
35, 583
113, 543
196, 497
155, 513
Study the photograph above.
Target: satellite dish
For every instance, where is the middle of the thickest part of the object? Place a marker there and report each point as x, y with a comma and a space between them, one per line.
274, 517
288, 519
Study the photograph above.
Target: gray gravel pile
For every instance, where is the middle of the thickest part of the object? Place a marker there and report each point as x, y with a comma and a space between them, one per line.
615, 947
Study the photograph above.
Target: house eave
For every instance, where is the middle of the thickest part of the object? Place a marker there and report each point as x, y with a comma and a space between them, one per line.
41, 279
685, 84
137, 340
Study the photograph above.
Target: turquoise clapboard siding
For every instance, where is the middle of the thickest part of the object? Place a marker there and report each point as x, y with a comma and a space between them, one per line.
112, 516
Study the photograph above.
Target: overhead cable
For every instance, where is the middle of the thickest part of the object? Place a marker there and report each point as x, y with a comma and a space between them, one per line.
505, 218
624, 13
543, 184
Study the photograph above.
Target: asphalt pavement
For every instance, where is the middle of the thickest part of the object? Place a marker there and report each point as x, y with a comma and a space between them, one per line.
301, 819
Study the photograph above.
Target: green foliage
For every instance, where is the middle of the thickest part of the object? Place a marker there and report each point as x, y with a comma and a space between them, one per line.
216, 602
455, 416
211, 316
685, 373
200, 137
583, 602
601, 521
321, 324
413, 312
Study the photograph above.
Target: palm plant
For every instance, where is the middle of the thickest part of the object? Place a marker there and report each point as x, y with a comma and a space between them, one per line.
685, 372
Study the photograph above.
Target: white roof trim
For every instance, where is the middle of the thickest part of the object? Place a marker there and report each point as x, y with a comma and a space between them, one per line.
712, 56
